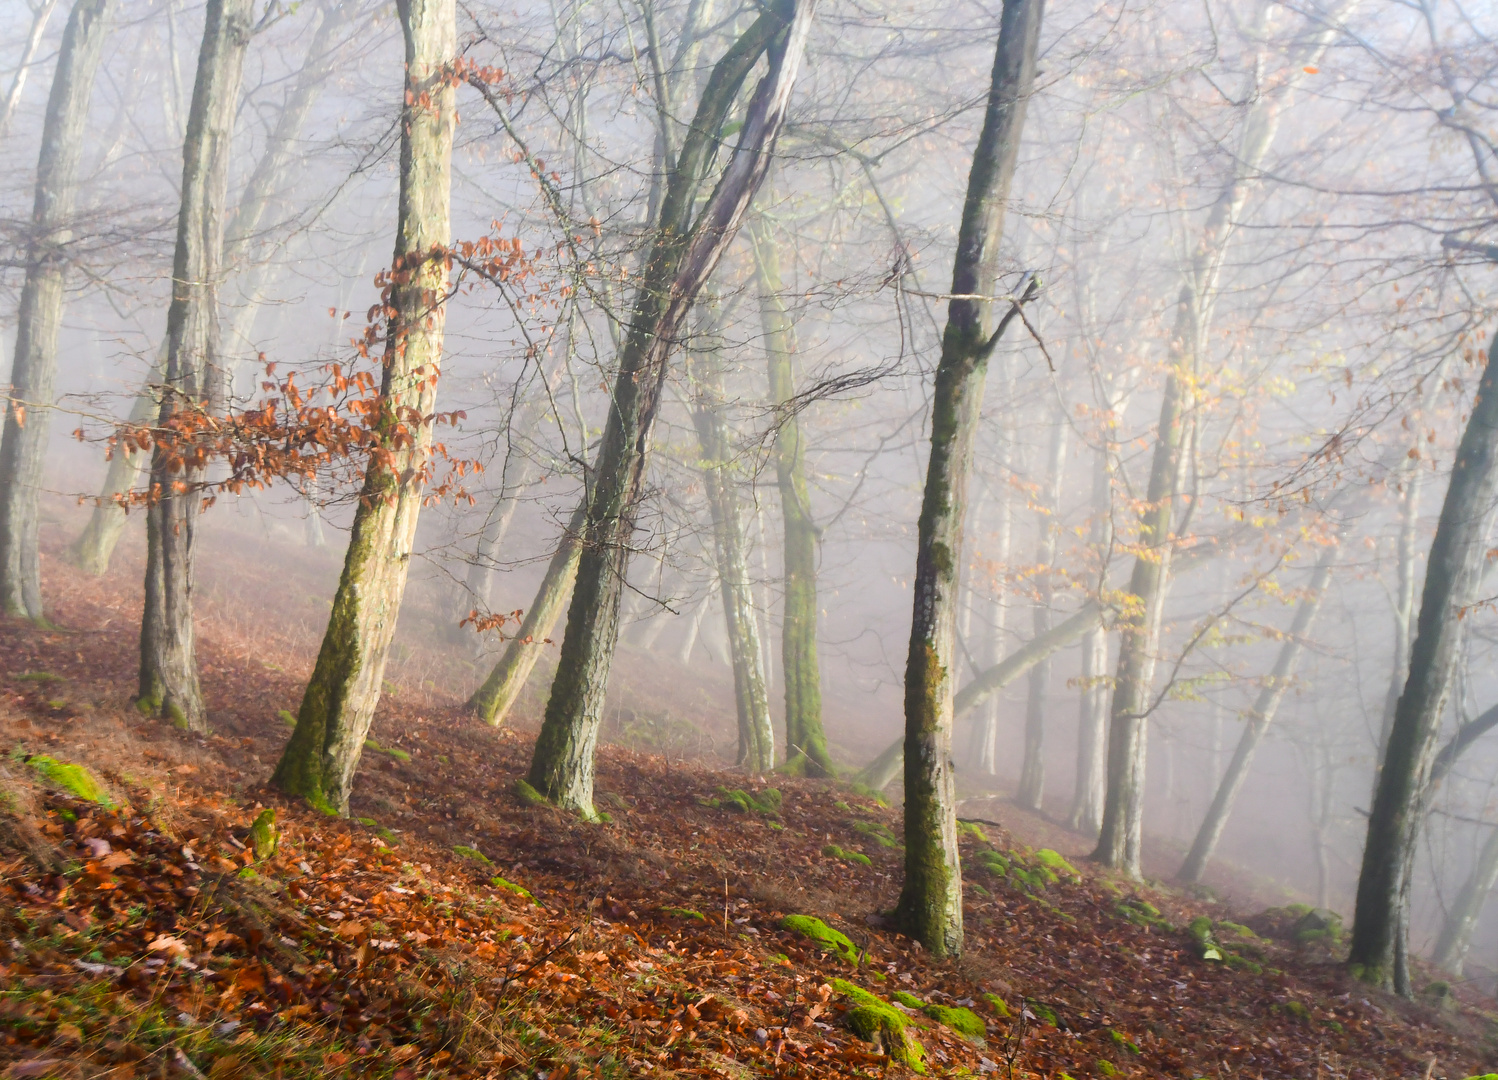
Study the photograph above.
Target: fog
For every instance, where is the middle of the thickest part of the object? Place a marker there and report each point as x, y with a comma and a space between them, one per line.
1313, 184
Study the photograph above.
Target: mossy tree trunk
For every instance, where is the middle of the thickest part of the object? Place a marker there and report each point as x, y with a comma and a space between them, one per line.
1257, 723
23, 448
168, 649
493, 700
805, 741
685, 252
756, 750
1461, 918
930, 907
323, 753
1380, 934
1032, 775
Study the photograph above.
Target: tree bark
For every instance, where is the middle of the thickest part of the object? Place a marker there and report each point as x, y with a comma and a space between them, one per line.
930, 907
1379, 950
323, 753
1461, 920
805, 742
41, 14
168, 658
1407, 555
1032, 776
493, 701
1257, 723
756, 749
23, 447
685, 252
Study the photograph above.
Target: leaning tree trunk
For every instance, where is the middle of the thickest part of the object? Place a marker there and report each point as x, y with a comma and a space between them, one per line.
1032, 775
1461, 920
40, 16
1379, 950
988, 682
685, 252
805, 742
930, 907
493, 701
23, 448
323, 753
168, 657
1407, 555
1257, 724
756, 751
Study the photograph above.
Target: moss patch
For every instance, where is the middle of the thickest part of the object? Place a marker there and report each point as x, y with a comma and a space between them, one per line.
910, 1001
874, 1020
530, 795
832, 851
685, 913
518, 890
878, 832
963, 1021
263, 834
830, 940
996, 1003
767, 803
473, 853
71, 777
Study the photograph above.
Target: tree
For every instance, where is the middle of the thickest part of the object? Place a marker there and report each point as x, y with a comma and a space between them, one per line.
1379, 952
23, 446
930, 907
168, 656
805, 741
1258, 721
1122, 829
684, 252
321, 757
756, 751
1032, 773
1461, 919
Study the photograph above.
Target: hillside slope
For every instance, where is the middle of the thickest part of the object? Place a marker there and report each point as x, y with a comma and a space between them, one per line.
452, 928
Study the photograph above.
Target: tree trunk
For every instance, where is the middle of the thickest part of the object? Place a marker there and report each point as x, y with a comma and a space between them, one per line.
23, 448
41, 14
805, 742
694, 625
984, 741
1407, 555
990, 681
1257, 723
1461, 920
168, 659
1379, 952
1092, 735
756, 750
323, 753
1032, 777
92, 550
1122, 828
930, 908
493, 701
685, 252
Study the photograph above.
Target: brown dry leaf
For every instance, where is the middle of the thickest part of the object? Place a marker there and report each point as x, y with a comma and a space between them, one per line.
399, 1054
117, 859
351, 929
172, 946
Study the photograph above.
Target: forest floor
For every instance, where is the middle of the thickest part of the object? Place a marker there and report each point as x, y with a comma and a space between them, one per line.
449, 928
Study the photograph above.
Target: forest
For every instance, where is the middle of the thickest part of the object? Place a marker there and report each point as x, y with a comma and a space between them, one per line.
716, 538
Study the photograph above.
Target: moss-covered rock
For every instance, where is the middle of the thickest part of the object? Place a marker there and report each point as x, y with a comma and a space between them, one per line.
910, 1001
973, 830
72, 778
963, 1021
264, 836
832, 851
996, 1003
874, 1020
824, 936
1056, 863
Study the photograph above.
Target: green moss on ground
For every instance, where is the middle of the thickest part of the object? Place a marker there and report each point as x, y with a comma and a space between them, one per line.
832, 851
878, 832
473, 853
874, 1020
971, 829
996, 1003
1054, 862
685, 913
391, 751
70, 777
910, 1001
530, 795
828, 939
767, 803
963, 1021
518, 890
263, 834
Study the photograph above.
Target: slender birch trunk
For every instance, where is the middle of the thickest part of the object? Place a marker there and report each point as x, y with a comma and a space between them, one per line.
168, 647
1122, 830
1032, 777
756, 749
23, 448
685, 252
694, 625
1407, 554
323, 753
1456, 931
1380, 937
41, 14
1257, 723
805, 742
930, 907
493, 700
1092, 721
